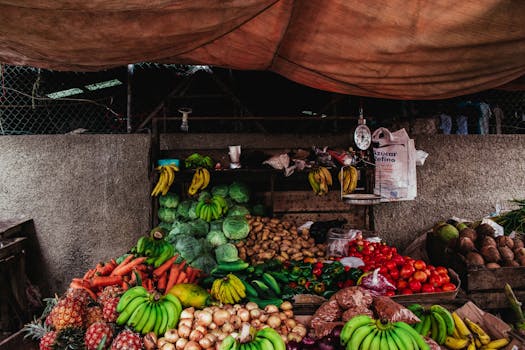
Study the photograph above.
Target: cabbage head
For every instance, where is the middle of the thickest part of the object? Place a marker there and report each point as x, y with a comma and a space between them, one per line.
199, 227
238, 210
178, 228
216, 238
188, 247
167, 215
191, 212
239, 192
236, 227
216, 225
220, 190
205, 263
184, 208
226, 253
204, 195
165, 226
170, 200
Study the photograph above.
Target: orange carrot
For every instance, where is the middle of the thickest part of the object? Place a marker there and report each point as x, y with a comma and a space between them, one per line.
102, 281
89, 274
77, 285
125, 285
123, 263
172, 278
141, 267
124, 270
181, 278
149, 284
165, 266
106, 268
162, 282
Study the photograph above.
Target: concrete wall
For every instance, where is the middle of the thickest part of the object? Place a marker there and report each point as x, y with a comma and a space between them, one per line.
463, 176
88, 194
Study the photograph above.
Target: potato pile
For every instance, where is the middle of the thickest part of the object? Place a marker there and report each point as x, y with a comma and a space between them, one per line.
276, 239
481, 248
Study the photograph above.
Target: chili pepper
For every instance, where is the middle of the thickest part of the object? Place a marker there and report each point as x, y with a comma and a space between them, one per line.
307, 285
293, 285
319, 265
317, 272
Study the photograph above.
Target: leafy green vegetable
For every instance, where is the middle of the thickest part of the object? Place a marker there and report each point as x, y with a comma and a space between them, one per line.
167, 215
170, 200
191, 212
178, 228
204, 195
216, 238
220, 190
199, 227
236, 227
204, 262
188, 247
238, 210
184, 208
165, 226
216, 225
226, 253
239, 192
513, 220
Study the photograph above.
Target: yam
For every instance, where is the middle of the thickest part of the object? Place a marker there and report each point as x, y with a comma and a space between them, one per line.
470, 233
521, 260
474, 259
493, 265
465, 244
518, 242
505, 241
487, 241
506, 253
512, 263
490, 253
519, 252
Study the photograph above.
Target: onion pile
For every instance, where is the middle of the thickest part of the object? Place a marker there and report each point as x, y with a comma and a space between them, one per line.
203, 329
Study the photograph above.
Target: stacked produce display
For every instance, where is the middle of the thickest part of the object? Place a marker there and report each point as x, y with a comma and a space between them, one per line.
218, 274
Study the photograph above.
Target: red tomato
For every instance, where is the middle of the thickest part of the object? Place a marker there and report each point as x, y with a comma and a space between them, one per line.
420, 276
390, 293
406, 271
398, 259
445, 278
394, 274
390, 265
447, 287
414, 286
401, 284
383, 270
435, 280
427, 288
420, 265
442, 270
428, 272
406, 291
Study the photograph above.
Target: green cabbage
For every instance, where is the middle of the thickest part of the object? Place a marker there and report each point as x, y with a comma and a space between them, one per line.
170, 200
216, 225
204, 263
239, 192
226, 253
236, 227
191, 213
165, 226
199, 227
216, 238
204, 195
238, 210
167, 215
188, 247
220, 190
184, 208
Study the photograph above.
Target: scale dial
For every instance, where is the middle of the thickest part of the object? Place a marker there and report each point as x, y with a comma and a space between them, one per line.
362, 137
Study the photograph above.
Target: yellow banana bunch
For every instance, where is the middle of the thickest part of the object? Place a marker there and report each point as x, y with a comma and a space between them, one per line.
228, 289
320, 179
167, 175
200, 180
470, 335
348, 177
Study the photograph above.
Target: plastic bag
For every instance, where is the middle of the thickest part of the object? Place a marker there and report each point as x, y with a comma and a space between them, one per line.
376, 283
388, 310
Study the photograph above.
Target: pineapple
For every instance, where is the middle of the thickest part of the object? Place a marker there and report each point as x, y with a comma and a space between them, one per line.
96, 334
47, 341
68, 312
127, 340
69, 338
109, 292
94, 314
81, 294
109, 309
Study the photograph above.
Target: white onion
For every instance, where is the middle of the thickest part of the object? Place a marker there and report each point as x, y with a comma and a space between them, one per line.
270, 309
290, 323
288, 313
167, 346
184, 331
286, 305
255, 313
195, 335
171, 335
187, 322
188, 313
192, 345
251, 305
212, 326
274, 321
204, 318
221, 316
181, 343
300, 329
244, 315
235, 321
263, 318
161, 341
227, 328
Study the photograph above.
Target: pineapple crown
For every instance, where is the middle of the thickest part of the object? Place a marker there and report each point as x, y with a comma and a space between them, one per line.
36, 329
70, 338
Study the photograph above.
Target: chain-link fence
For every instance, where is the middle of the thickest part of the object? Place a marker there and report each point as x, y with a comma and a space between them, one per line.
37, 101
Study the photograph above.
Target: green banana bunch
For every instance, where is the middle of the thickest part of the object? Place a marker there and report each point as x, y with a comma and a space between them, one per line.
155, 247
436, 322
363, 332
265, 339
211, 208
197, 160
148, 312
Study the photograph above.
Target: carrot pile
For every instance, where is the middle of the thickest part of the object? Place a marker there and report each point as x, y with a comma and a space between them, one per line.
133, 271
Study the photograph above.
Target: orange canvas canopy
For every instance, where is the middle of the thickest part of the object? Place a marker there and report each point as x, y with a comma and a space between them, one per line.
404, 49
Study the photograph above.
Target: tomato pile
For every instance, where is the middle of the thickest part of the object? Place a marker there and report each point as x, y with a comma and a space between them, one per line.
405, 273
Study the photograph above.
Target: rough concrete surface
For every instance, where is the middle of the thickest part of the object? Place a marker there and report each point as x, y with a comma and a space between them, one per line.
463, 176
88, 196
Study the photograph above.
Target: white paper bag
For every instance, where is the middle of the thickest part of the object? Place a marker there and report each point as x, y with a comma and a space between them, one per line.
395, 165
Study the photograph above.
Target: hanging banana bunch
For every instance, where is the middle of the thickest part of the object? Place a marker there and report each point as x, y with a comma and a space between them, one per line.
348, 177
320, 180
167, 175
200, 180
